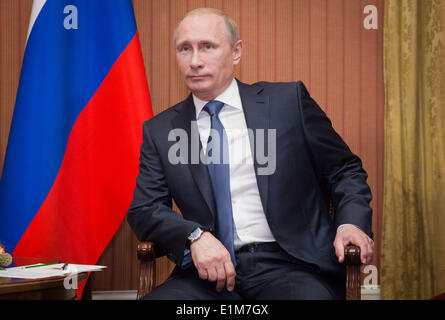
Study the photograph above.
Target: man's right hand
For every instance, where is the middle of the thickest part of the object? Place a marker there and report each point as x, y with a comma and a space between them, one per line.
213, 262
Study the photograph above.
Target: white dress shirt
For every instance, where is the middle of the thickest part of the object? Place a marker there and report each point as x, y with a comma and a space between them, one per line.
248, 214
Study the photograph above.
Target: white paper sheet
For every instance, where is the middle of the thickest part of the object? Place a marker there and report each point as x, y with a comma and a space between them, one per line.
46, 271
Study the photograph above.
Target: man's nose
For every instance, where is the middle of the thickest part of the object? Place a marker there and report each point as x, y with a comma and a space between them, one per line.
196, 61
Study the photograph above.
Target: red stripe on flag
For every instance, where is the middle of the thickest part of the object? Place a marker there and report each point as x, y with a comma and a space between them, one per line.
93, 189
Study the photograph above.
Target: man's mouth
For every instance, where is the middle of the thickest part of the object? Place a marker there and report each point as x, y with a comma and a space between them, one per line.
197, 77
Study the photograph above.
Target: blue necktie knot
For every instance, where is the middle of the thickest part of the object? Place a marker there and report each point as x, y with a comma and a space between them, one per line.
213, 107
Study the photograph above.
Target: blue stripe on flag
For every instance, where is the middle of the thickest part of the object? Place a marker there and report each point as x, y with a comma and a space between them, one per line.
61, 71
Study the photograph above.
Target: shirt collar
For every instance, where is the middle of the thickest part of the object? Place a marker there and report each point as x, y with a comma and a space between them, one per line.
230, 97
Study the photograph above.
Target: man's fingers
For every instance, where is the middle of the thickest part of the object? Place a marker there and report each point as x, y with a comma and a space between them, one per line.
226, 277
351, 236
366, 248
213, 274
339, 251
202, 273
230, 275
363, 244
221, 279
370, 251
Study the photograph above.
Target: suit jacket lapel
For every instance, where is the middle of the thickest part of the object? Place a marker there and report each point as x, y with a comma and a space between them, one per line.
186, 120
257, 113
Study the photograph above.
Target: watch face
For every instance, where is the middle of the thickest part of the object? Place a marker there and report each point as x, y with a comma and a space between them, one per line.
195, 234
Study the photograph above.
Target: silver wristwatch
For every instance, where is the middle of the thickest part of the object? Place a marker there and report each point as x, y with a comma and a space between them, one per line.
194, 235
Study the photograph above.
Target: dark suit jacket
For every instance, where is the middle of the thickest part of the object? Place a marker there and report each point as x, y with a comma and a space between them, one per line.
308, 153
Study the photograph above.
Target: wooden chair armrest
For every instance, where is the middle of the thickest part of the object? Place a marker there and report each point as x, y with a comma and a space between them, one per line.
147, 254
353, 263
147, 250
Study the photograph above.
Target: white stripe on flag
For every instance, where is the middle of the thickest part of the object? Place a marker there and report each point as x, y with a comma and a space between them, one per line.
37, 6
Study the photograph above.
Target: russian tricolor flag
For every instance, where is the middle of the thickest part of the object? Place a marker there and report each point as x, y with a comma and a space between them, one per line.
73, 148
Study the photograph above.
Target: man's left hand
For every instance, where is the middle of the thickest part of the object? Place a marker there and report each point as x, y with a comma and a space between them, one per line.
350, 234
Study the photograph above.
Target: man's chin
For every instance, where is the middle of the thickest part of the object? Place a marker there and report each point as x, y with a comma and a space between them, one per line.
198, 89
200, 83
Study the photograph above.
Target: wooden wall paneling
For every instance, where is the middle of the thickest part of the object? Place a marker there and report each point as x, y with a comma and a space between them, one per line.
14, 19
301, 42
218, 4
283, 44
248, 27
317, 30
265, 40
335, 77
352, 84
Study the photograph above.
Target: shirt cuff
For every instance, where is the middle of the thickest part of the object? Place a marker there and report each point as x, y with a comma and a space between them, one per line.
187, 259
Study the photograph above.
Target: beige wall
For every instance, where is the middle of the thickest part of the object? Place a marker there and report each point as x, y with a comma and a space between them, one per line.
321, 42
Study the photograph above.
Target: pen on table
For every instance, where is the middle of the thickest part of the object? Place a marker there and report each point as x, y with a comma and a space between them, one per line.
65, 265
40, 265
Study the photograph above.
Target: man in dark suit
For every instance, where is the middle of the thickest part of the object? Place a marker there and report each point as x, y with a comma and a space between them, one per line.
255, 224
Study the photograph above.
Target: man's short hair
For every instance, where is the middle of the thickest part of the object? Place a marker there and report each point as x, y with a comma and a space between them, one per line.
231, 29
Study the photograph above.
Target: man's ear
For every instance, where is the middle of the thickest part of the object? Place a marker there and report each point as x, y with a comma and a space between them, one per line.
237, 51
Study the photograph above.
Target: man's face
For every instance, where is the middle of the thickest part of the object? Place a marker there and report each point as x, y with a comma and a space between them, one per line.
205, 56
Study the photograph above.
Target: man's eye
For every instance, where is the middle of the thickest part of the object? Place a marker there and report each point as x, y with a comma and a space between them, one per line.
208, 46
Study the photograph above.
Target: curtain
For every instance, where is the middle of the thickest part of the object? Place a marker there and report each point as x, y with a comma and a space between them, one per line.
413, 222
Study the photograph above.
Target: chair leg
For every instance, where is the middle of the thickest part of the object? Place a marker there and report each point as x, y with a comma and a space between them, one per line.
146, 278
353, 283
147, 256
